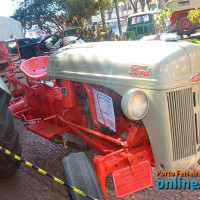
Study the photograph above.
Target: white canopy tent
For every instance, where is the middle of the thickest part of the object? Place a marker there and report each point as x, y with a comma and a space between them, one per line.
9, 26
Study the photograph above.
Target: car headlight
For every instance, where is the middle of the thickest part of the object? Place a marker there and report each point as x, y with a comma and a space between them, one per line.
135, 104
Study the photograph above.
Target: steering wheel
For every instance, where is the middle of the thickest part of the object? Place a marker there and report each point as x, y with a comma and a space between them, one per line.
56, 40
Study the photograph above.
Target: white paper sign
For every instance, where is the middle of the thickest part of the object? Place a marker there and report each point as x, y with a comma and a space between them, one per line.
107, 109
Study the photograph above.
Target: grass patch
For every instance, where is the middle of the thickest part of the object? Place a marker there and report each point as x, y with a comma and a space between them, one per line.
196, 41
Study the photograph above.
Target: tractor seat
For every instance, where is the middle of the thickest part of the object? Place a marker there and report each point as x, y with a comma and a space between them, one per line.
35, 68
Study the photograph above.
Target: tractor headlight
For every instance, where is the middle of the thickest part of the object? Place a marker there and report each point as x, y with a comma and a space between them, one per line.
135, 104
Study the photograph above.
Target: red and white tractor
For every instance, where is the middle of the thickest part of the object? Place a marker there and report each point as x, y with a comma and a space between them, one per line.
135, 103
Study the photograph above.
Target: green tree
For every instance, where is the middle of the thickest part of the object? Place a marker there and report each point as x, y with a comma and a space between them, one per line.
162, 14
81, 8
104, 5
148, 4
113, 6
134, 5
58, 12
41, 12
144, 3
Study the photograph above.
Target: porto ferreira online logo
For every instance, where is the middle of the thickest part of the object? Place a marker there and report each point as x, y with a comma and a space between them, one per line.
139, 70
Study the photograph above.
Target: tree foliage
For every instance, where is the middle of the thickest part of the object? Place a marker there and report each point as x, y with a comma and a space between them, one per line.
58, 12
194, 15
134, 4
39, 11
104, 5
161, 16
81, 8
113, 6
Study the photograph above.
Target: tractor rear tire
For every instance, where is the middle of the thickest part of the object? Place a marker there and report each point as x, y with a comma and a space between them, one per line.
184, 25
79, 173
8, 137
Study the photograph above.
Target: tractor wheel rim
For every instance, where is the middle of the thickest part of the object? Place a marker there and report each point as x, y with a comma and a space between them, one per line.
185, 25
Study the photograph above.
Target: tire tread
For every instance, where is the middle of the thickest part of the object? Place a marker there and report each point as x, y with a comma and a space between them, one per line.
79, 173
8, 138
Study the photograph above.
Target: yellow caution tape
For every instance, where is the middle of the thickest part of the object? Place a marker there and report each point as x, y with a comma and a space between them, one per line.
41, 171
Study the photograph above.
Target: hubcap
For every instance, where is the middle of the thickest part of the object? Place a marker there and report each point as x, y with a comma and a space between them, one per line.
185, 25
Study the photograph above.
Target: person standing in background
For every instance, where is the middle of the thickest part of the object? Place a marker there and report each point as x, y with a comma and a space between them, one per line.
42, 35
12, 37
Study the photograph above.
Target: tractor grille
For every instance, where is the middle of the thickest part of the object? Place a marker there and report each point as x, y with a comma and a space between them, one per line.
182, 122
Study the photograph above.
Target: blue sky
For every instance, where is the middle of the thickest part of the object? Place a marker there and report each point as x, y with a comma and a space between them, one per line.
7, 8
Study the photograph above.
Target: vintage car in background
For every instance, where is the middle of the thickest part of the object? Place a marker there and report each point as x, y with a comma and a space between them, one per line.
179, 18
27, 47
113, 24
142, 23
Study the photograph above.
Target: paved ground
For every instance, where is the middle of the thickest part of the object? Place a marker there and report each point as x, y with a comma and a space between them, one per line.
27, 184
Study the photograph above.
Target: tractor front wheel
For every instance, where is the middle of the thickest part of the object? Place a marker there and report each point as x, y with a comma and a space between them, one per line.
184, 25
79, 173
8, 137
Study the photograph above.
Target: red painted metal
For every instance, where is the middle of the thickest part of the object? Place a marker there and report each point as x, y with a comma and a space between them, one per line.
68, 94
35, 68
137, 136
117, 141
3, 51
105, 165
57, 111
46, 129
195, 78
139, 70
132, 179
92, 106
93, 142
175, 15
5, 57
17, 44
12, 80
7, 63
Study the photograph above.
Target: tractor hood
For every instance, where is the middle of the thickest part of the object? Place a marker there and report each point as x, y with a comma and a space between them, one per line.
151, 64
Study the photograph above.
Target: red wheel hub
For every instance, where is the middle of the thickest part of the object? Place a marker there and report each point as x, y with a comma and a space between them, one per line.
185, 25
